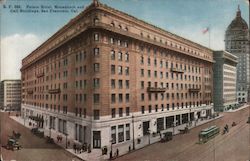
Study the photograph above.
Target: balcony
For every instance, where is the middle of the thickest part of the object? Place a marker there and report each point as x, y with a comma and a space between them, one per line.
177, 70
54, 91
39, 75
194, 90
155, 89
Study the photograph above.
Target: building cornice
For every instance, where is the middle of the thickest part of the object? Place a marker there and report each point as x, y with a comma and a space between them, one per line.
74, 27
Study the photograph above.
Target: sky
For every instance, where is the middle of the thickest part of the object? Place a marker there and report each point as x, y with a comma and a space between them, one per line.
21, 33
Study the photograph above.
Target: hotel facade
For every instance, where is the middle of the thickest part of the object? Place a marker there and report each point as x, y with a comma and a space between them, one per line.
107, 78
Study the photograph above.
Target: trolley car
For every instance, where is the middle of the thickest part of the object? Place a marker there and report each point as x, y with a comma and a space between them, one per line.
208, 133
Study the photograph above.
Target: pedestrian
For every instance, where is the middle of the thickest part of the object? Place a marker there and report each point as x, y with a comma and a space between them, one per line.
110, 155
117, 152
129, 148
89, 149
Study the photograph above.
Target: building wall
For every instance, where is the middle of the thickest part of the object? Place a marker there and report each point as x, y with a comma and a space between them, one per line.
63, 74
10, 96
224, 80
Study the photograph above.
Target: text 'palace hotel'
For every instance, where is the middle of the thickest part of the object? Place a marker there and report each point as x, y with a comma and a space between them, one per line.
108, 77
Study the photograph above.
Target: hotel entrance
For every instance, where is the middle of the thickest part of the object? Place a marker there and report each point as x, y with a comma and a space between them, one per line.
96, 139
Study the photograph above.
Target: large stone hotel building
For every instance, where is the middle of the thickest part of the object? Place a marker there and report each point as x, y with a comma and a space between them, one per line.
108, 77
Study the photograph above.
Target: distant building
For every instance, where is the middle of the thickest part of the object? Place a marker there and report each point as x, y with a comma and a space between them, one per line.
107, 78
10, 94
237, 43
224, 81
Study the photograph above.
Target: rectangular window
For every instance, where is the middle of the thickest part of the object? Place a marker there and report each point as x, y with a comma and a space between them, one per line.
112, 69
142, 97
113, 134
120, 56
96, 37
127, 57
96, 67
112, 83
96, 114
120, 70
120, 112
96, 51
156, 108
120, 133
96, 82
127, 131
113, 112
142, 72
142, 84
112, 55
127, 97
127, 84
142, 109
127, 70
120, 84
112, 98
96, 98
120, 97
149, 109
127, 111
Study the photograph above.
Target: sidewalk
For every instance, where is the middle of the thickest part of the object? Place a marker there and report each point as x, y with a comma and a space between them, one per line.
238, 109
96, 154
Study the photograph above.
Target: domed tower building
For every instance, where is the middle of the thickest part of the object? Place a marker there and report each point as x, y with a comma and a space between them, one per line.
237, 43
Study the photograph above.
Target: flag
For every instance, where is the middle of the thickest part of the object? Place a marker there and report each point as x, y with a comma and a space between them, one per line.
205, 30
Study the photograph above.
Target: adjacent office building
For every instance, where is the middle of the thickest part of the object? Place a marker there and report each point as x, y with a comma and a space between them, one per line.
109, 78
224, 81
237, 43
10, 94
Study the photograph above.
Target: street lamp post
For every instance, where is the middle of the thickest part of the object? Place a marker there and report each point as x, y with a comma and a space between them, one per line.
111, 149
133, 132
174, 127
66, 145
148, 136
50, 131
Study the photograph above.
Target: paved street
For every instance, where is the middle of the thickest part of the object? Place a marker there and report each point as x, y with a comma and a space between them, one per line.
233, 146
34, 148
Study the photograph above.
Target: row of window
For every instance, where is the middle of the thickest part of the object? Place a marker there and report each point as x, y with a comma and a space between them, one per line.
119, 70
123, 130
174, 106
181, 67
173, 96
177, 76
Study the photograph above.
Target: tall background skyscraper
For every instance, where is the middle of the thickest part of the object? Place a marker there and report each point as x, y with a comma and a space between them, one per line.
237, 43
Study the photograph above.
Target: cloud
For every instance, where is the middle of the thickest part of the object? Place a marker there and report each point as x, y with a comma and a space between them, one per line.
13, 49
247, 1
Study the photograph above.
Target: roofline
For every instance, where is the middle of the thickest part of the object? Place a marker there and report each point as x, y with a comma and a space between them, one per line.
88, 8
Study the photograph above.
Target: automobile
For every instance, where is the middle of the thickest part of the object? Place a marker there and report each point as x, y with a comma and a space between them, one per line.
167, 137
13, 145
248, 121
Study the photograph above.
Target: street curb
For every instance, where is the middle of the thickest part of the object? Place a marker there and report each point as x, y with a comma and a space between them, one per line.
132, 151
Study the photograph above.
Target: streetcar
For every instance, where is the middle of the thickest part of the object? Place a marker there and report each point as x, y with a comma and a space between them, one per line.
208, 133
